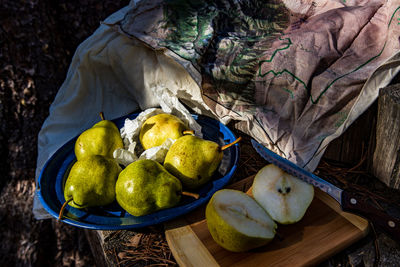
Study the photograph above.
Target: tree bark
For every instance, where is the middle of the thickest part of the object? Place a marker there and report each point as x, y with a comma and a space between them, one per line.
386, 159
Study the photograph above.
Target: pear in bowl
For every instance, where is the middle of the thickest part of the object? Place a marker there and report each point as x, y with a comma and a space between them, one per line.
156, 129
237, 223
285, 197
144, 187
102, 139
194, 160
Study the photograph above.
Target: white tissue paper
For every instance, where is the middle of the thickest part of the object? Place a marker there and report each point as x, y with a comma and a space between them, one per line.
130, 132
158, 153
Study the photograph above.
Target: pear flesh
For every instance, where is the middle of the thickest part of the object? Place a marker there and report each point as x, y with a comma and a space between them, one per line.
102, 139
144, 186
285, 197
91, 182
193, 160
237, 222
156, 129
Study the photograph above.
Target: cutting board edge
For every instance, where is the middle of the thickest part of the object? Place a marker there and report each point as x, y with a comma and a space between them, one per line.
180, 235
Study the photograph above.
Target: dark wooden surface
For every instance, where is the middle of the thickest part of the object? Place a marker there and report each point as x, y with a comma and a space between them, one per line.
357, 141
96, 245
386, 158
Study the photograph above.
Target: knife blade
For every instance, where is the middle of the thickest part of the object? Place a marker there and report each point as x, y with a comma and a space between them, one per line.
348, 201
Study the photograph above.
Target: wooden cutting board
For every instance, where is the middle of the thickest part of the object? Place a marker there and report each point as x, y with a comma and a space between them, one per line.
324, 231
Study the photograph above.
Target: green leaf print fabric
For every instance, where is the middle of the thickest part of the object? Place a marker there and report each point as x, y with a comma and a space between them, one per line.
292, 74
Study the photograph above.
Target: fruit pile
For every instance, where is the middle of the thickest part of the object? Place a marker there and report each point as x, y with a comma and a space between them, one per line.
144, 186
236, 221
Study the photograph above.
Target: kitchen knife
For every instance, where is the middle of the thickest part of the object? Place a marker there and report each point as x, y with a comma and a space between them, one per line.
348, 201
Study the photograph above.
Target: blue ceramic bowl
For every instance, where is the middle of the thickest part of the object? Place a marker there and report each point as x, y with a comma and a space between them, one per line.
113, 217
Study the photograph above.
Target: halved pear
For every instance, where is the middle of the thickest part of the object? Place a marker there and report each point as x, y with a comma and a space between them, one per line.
237, 223
285, 197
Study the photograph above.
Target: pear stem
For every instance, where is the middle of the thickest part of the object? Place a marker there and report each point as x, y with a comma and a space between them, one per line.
231, 144
190, 194
63, 208
188, 132
102, 115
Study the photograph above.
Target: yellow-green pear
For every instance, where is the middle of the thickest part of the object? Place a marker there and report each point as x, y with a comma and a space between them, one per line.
285, 197
144, 186
156, 129
237, 223
102, 139
194, 160
91, 182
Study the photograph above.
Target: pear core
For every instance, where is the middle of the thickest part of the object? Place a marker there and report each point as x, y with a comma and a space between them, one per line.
285, 197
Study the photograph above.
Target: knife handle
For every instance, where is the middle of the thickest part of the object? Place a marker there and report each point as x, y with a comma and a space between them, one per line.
353, 204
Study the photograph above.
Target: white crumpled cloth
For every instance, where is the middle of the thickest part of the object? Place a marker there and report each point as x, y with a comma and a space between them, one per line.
114, 74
